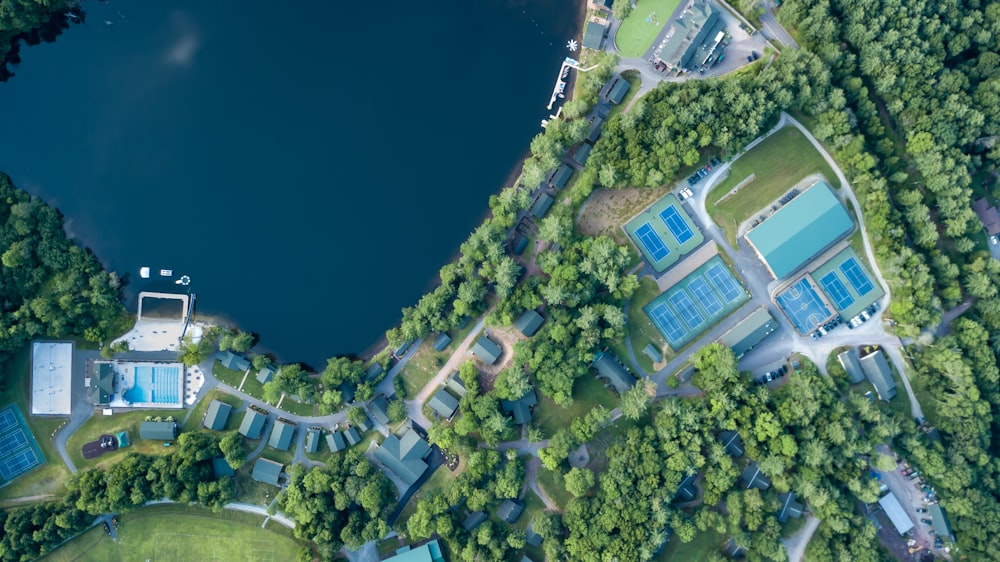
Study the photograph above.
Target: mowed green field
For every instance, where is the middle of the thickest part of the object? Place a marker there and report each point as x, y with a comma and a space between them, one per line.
176, 533
636, 34
778, 163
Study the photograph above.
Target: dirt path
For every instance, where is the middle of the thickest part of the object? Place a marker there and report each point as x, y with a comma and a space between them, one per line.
796, 544
531, 480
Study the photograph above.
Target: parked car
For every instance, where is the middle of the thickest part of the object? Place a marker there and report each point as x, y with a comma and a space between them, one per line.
107, 528
926, 521
921, 510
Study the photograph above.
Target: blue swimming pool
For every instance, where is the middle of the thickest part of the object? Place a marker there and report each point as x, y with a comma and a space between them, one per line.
155, 385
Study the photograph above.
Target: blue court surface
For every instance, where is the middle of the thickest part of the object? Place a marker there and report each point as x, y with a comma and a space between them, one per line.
696, 303
676, 224
836, 290
803, 306
856, 277
651, 240
19, 452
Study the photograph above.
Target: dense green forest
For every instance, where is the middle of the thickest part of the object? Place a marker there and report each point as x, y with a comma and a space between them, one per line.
31, 21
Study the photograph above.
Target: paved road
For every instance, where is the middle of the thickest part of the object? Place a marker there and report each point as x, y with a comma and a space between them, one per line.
773, 29
250, 508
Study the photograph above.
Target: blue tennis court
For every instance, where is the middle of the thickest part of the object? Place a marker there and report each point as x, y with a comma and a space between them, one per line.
7, 419
676, 224
682, 303
856, 277
701, 291
724, 282
12, 442
667, 323
18, 464
651, 240
803, 306
838, 292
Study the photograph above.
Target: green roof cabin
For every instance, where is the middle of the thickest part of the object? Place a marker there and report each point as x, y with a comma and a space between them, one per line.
609, 368
352, 436
940, 522
581, 153
618, 90
373, 371
749, 332
267, 471
753, 477
561, 176
265, 375
789, 507
232, 361
520, 409
593, 36
804, 228
379, 409
541, 205
158, 431
427, 552
849, 361
312, 439
102, 383
486, 350
221, 468
876, 368
281, 434
443, 403
441, 341
510, 510
518, 245
335, 441
253, 423
455, 385
404, 456
217, 415
529, 323
733, 443
473, 520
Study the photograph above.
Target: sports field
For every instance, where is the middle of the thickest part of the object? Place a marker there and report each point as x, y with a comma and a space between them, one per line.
642, 26
847, 283
803, 306
663, 233
176, 533
776, 164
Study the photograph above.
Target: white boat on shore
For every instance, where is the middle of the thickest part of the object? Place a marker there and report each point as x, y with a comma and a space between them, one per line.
166, 273
144, 272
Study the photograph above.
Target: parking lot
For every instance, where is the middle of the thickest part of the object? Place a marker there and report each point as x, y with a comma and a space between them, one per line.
912, 498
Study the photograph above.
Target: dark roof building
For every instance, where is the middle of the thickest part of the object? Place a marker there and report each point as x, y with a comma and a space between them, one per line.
232, 361
400, 351
749, 332
404, 456
519, 244
581, 153
373, 371
654, 354
335, 441
267, 471
593, 36
695, 37
529, 323
752, 477
877, 370
441, 341
609, 367
102, 384
455, 384
849, 361
541, 205
510, 510
530, 536
352, 436
596, 125
733, 444
618, 90
443, 403
221, 468
940, 522
474, 520
987, 215
520, 408
281, 435
561, 176
379, 409
686, 490
217, 415
486, 350
158, 431
789, 507
265, 375
253, 423
312, 440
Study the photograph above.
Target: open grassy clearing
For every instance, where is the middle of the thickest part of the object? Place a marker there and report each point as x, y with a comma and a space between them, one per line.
636, 33
777, 163
588, 392
171, 533
641, 329
698, 549
293, 406
422, 367
193, 422
229, 376
552, 484
99, 425
607, 210
251, 491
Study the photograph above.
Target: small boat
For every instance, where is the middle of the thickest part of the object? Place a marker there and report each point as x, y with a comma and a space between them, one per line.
144, 272
166, 273
184, 280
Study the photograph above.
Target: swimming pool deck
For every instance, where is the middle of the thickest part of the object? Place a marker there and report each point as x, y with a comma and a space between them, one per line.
125, 380
158, 334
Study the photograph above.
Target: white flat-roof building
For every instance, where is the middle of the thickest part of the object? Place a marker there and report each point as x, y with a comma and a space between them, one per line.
51, 378
894, 510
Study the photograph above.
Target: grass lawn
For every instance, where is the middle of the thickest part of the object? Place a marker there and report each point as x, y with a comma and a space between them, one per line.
227, 375
178, 532
254, 387
777, 164
636, 34
422, 367
99, 425
438, 481
634, 80
533, 505
251, 491
194, 419
588, 392
293, 406
698, 549
50, 477
552, 484
640, 328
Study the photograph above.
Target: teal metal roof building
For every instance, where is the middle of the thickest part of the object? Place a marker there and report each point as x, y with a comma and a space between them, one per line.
801, 230
158, 431
217, 415
281, 435
749, 332
253, 423
529, 323
267, 471
429, 552
487, 350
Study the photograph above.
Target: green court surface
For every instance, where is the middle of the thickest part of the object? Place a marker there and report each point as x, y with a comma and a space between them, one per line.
664, 233
19, 452
642, 26
832, 269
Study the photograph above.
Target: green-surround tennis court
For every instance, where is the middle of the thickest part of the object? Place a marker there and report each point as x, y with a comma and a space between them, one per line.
696, 303
847, 283
19, 452
664, 233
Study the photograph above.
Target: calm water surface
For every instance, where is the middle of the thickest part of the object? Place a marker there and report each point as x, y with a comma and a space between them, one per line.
310, 165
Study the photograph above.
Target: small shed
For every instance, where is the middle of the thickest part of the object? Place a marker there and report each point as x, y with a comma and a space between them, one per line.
486, 350
232, 361
541, 206
443, 403
529, 323
312, 440
158, 431
510, 510
441, 341
267, 471
595, 129
561, 176
217, 415
654, 354
373, 371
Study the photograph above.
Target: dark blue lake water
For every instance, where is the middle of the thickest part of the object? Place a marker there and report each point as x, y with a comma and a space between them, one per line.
310, 165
